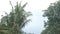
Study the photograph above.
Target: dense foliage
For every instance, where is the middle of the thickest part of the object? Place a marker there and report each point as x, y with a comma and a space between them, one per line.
52, 26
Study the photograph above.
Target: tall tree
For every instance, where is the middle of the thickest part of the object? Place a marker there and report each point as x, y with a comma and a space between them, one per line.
52, 26
17, 19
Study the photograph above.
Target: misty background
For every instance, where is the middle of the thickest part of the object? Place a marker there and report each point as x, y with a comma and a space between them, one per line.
36, 7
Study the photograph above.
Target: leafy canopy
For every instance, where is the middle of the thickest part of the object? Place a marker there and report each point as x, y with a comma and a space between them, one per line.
52, 26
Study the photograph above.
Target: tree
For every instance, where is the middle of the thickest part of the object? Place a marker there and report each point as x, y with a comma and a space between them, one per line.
52, 26
17, 19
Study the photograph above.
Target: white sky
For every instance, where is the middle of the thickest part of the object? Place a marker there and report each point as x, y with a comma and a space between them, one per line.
36, 7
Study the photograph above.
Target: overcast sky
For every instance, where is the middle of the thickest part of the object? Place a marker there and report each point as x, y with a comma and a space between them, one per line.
34, 6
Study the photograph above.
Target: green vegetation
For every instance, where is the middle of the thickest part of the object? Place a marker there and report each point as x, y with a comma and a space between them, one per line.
52, 26
14, 22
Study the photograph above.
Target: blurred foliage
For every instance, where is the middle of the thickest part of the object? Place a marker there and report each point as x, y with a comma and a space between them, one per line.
52, 26
14, 22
